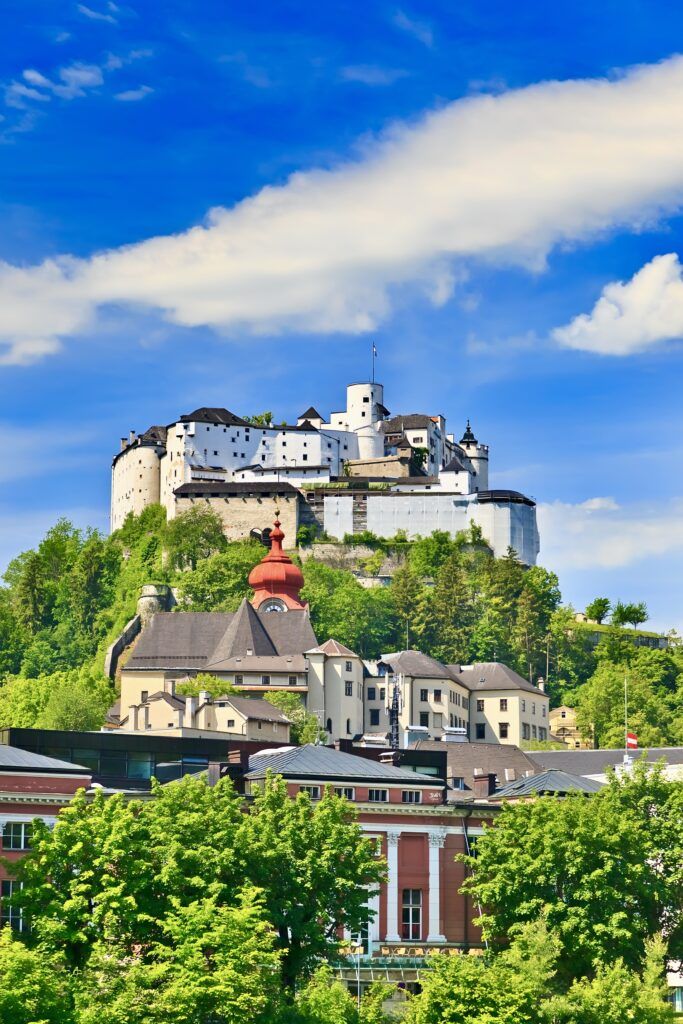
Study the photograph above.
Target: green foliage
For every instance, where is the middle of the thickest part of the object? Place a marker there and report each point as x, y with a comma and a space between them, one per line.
306, 535
76, 699
633, 613
599, 609
205, 681
605, 870
616, 995
507, 989
305, 726
219, 584
260, 419
33, 984
362, 619
194, 535
130, 877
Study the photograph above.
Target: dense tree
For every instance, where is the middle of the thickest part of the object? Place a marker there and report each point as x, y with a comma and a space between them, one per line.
605, 870
362, 619
598, 609
330, 866
76, 699
194, 535
506, 989
34, 986
634, 613
219, 584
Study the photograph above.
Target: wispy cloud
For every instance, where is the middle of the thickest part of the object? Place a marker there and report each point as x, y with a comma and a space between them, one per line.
108, 14
599, 533
497, 178
371, 74
251, 73
69, 82
421, 30
132, 95
632, 316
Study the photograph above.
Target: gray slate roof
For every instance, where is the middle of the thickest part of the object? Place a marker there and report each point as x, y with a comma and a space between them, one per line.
214, 415
454, 466
415, 663
506, 497
15, 759
410, 421
551, 781
596, 762
493, 675
257, 710
203, 640
320, 763
491, 758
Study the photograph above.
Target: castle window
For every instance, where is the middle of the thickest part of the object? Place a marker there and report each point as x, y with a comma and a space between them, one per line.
382, 693
305, 458
366, 399
215, 453
348, 688
503, 704
372, 693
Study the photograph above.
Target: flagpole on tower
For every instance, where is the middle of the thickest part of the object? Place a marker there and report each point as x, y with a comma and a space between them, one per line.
374, 354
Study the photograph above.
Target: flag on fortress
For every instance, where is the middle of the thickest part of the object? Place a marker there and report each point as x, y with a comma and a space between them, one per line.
631, 741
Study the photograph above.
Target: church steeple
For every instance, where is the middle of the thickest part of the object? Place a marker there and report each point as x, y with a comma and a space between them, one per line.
468, 437
276, 581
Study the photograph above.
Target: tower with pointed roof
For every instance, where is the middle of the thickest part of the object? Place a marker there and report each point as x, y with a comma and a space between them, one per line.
276, 581
478, 455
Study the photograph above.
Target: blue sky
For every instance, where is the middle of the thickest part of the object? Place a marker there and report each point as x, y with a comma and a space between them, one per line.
461, 186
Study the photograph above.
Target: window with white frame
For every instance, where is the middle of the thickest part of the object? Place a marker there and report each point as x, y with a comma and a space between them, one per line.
411, 914
313, 791
13, 916
347, 792
378, 796
16, 835
349, 666
411, 796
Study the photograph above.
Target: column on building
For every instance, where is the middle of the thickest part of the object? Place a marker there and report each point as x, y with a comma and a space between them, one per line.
392, 935
437, 839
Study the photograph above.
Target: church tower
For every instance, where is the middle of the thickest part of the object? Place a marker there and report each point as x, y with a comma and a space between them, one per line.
276, 581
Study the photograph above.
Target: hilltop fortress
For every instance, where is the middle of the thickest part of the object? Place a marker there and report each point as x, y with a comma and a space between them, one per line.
362, 469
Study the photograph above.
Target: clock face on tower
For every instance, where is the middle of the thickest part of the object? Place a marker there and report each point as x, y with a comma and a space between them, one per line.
273, 604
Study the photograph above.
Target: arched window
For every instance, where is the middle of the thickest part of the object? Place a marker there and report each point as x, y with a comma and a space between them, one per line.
329, 726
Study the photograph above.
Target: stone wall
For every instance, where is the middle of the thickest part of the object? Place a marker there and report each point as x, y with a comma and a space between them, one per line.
242, 513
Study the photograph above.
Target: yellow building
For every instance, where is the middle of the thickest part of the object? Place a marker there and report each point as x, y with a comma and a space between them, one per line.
564, 729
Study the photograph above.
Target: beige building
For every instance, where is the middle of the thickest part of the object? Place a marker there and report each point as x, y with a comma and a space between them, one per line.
564, 729
504, 707
233, 717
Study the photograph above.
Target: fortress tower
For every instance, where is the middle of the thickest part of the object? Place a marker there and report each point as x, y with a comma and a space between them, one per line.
478, 455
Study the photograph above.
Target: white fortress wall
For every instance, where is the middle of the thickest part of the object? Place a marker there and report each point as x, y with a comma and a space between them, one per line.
338, 515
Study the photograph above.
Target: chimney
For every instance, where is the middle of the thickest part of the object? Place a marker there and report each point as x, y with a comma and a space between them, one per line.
131, 436
214, 773
133, 711
541, 684
124, 443
484, 784
178, 715
190, 711
204, 697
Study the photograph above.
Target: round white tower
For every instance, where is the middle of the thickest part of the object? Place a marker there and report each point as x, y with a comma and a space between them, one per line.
478, 454
365, 412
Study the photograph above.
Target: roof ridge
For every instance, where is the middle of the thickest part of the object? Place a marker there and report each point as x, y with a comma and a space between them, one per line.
245, 634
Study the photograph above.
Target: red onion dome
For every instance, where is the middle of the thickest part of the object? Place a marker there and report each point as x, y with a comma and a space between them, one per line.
276, 575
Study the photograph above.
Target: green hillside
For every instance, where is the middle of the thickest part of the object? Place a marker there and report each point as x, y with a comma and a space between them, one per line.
63, 603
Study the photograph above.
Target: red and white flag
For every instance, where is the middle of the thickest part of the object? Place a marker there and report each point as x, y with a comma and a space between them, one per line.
631, 741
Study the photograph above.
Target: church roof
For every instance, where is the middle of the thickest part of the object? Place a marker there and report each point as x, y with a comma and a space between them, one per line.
187, 641
246, 633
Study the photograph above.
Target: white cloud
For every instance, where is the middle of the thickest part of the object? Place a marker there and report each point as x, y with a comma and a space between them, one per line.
419, 29
68, 82
632, 316
501, 178
132, 95
371, 74
94, 15
600, 534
